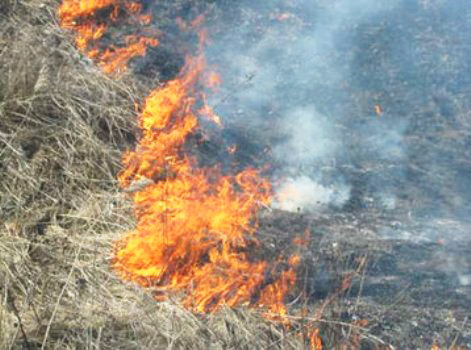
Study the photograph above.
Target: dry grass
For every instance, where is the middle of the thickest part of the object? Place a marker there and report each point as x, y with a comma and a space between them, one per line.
61, 294
62, 125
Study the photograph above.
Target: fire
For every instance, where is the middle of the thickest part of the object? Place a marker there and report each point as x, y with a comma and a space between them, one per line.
115, 60
315, 340
89, 19
196, 226
208, 112
378, 110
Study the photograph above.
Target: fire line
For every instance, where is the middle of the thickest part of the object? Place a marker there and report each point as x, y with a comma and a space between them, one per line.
195, 225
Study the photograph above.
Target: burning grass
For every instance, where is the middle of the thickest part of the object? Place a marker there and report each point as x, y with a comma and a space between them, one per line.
63, 127
63, 295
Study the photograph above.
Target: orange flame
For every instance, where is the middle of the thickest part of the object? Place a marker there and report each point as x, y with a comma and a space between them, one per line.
195, 226
208, 112
115, 60
315, 341
88, 19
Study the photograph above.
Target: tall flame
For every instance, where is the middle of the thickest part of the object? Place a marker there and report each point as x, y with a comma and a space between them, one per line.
194, 225
195, 231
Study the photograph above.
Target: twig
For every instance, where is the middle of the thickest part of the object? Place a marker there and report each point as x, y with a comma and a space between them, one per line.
56, 306
360, 290
458, 334
17, 314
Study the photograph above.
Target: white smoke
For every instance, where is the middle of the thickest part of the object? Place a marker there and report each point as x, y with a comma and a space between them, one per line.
309, 137
304, 194
280, 75
309, 140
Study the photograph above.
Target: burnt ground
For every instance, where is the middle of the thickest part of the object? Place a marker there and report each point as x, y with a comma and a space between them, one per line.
408, 168
412, 292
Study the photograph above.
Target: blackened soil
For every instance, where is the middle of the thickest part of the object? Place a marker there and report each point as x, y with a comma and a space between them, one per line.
413, 293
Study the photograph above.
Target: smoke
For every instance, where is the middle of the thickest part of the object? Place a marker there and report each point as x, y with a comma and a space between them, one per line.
309, 137
309, 142
296, 193
307, 79
285, 69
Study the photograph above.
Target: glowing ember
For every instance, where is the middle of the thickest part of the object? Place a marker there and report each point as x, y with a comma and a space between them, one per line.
378, 110
213, 80
232, 149
88, 18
